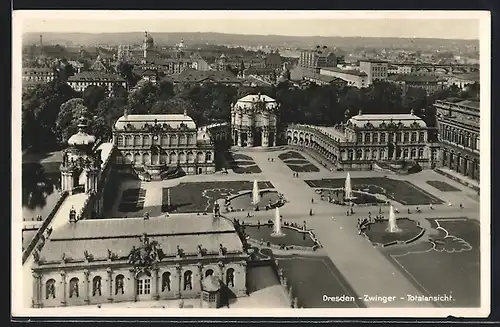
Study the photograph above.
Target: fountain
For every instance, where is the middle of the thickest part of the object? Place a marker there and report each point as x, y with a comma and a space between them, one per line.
348, 188
393, 226
277, 224
255, 194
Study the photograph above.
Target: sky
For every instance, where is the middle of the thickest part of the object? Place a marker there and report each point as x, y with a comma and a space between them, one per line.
451, 25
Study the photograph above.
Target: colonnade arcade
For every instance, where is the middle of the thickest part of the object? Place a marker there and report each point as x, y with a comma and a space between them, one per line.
460, 136
461, 163
69, 287
244, 136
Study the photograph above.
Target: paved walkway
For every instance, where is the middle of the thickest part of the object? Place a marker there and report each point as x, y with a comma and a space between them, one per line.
367, 270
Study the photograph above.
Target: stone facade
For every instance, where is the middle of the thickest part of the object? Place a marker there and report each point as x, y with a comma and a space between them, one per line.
366, 139
156, 142
254, 121
458, 125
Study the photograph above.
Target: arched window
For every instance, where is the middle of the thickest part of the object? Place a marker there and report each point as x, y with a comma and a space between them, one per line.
359, 154
165, 282
182, 139
164, 140
208, 156
350, 154
147, 140
188, 280
173, 139
200, 156
137, 159
413, 137
73, 287
420, 153
209, 272
96, 286
421, 137
119, 284
374, 154
173, 158
50, 289
143, 284
120, 140
230, 277
405, 153
146, 160
382, 138
182, 157
137, 140
190, 157
382, 154
375, 138
406, 138
413, 153
367, 138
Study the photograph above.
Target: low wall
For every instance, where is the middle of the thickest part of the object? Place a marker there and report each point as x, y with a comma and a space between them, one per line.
44, 226
461, 181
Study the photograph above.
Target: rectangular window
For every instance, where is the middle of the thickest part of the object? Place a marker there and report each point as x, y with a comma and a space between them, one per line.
139, 287
147, 286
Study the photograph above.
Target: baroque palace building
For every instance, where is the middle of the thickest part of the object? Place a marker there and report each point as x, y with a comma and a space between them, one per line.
93, 261
367, 139
254, 121
158, 142
458, 125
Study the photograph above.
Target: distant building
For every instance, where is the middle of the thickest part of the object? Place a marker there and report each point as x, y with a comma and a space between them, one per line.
462, 80
458, 126
79, 82
376, 70
429, 83
192, 76
354, 78
325, 79
273, 60
317, 58
367, 140
38, 75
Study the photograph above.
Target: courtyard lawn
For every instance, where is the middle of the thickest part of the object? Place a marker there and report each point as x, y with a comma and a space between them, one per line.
291, 155
443, 186
296, 161
132, 200
403, 192
201, 196
311, 277
449, 267
308, 168
241, 163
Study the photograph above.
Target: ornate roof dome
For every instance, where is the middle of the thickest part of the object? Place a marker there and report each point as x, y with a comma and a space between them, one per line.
81, 138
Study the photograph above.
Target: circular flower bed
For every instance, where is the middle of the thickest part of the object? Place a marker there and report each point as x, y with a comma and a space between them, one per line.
377, 232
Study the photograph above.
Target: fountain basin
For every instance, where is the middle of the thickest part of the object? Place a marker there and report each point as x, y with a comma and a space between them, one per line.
291, 237
243, 201
409, 231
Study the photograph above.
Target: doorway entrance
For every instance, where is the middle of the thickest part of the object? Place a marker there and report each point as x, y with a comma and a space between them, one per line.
143, 287
200, 171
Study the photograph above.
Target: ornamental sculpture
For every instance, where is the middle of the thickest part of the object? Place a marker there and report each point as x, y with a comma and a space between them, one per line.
146, 255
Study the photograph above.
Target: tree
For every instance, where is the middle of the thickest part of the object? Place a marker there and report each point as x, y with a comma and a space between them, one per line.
40, 110
126, 71
143, 97
92, 95
67, 119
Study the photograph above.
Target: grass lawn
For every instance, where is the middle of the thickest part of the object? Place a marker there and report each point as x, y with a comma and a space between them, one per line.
311, 277
242, 164
450, 267
132, 200
201, 196
403, 192
442, 186
290, 155
254, 169
296, 161
308, 168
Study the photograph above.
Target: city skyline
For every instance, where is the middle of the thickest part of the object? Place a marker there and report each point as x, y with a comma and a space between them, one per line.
452, 25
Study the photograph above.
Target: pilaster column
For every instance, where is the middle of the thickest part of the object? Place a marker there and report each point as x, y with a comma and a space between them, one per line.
37, 287
200, 271
239, 138
243, 276
265, 139
179, 279
134, 284
221, 271
109, 271
156, 295
87, 286
63, 282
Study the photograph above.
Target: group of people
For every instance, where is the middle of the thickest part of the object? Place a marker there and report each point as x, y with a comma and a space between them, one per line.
270, 159
295, 174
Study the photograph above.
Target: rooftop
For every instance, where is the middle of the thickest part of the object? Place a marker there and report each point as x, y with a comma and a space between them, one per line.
376, 120
191, 75
119, 236
138, 121
415, 78
344, 71
95, 75
374, 61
